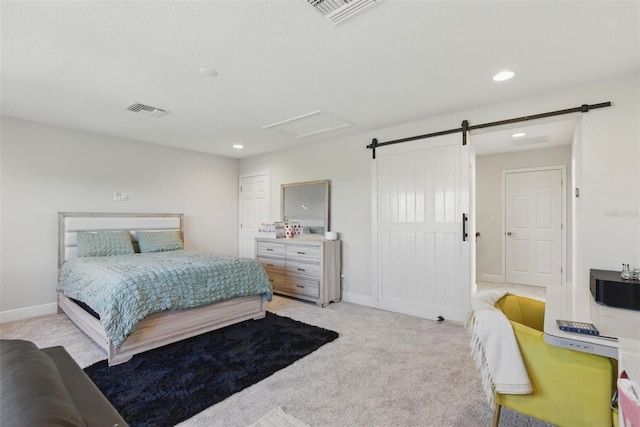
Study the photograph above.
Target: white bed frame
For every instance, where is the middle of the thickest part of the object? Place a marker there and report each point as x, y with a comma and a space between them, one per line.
158, 329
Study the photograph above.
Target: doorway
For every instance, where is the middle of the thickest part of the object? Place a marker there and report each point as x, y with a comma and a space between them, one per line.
547, 146
255, 201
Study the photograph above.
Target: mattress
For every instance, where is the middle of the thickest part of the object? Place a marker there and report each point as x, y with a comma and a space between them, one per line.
123, 289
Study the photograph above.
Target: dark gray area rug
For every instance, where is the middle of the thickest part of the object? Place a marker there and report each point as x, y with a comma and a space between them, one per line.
165, 386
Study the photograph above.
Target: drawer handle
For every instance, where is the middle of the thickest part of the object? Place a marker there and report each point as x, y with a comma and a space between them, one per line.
301, 269
270, 265
301, 253
300, 286
269, 249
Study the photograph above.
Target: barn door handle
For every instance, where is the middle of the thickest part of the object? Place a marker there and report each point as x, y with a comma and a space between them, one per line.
464, 227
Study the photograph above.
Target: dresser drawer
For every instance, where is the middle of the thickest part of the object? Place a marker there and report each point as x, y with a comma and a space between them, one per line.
271, 249
304, 253
275, 271
273, 265
302, 268
307, 287
278, 282
271, 262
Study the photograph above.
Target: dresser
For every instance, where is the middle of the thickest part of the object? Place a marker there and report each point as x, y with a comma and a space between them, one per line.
301, 268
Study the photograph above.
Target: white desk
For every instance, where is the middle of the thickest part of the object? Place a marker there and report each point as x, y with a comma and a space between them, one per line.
577, 304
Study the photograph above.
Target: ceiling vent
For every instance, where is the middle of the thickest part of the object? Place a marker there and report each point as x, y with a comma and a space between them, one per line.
337, 11
529, 141
147, 109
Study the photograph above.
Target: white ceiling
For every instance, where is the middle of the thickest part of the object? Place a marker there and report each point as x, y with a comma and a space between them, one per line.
538, 134
80, 64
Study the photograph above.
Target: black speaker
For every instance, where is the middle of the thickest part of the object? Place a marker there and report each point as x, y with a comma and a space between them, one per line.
608, 288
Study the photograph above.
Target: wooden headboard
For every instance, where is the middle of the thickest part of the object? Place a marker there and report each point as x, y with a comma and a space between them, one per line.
70, 223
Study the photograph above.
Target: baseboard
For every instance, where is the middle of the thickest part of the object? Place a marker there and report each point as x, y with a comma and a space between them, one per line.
25, 313
493, 278
359, 299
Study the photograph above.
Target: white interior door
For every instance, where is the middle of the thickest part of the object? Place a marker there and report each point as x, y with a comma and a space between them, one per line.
533, 227
420, 192
254, 210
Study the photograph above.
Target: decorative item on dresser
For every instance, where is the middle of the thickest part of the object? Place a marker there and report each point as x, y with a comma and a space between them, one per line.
308, 269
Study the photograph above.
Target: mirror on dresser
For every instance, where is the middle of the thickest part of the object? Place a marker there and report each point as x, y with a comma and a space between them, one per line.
306, 203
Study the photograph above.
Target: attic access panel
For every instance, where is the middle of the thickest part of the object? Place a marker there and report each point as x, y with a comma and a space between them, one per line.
309, 124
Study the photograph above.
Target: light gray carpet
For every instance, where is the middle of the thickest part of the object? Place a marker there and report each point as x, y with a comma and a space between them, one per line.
385, 369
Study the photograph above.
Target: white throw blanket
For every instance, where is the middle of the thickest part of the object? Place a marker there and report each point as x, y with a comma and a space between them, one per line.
494, 347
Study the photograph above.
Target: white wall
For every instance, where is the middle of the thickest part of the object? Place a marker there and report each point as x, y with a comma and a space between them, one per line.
610, 156
489, 202
47, 169
346, 163
609, 175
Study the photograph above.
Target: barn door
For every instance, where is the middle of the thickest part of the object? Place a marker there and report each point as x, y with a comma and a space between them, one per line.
420, 193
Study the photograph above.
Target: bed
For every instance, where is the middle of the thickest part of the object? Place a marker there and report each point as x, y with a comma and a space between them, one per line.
79, 288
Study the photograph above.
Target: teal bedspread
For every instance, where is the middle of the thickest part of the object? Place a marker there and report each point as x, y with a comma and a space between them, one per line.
123, 289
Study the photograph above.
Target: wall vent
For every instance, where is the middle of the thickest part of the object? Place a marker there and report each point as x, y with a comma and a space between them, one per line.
529, 141
147, 109
337, 11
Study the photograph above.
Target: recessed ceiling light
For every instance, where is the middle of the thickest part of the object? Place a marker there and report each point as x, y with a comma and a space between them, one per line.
208, 72
503, 75
518, 135
238, 146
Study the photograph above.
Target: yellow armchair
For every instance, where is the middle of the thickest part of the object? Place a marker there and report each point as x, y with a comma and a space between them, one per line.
570, 388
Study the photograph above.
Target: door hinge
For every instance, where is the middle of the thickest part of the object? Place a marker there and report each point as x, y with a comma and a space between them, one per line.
241, 188
240, 225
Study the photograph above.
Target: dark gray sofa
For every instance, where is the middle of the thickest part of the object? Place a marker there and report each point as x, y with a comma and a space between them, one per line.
45, 387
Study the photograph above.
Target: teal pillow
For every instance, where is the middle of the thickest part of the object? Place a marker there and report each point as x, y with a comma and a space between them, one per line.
104, 243
159, 241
